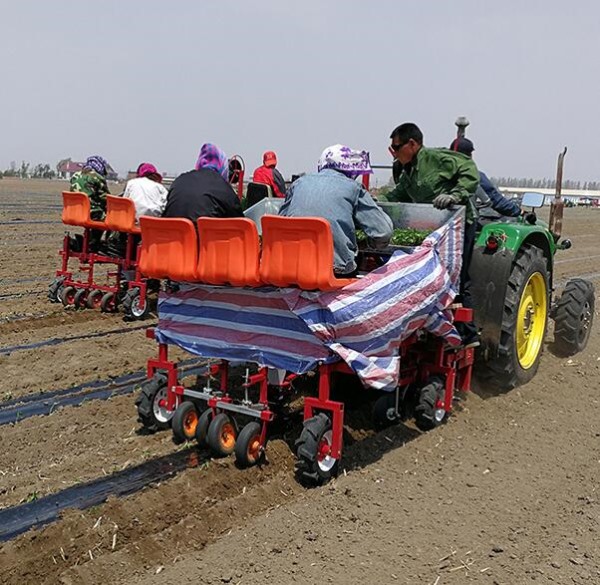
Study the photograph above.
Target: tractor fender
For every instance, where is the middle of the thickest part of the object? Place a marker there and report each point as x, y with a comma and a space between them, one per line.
489, 277
490, 271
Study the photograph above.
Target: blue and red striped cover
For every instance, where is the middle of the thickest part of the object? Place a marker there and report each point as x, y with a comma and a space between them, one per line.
363, 323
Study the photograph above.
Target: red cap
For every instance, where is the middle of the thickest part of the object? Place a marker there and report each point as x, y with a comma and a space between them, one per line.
270, 159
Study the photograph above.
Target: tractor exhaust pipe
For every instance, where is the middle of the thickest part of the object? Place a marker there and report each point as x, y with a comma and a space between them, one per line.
461, 126
558, 205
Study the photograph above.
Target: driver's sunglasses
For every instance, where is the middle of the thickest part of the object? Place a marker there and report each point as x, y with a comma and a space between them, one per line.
397, 147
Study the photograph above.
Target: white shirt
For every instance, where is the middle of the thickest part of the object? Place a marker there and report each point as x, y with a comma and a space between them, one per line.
148, 196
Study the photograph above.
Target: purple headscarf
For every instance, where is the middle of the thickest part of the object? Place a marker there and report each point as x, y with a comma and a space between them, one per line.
212, 157
96, 163
351, 163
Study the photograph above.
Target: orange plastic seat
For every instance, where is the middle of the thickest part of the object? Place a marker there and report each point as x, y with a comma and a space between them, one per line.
169, 248
120, 215
76, 211
298, 251
229, 251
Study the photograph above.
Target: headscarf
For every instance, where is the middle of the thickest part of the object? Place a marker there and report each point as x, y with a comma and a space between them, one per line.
146, 169
212, 157
96, 163
150, 171
351, 163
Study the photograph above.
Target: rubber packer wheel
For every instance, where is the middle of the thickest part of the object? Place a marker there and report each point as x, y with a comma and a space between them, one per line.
108, 304
151, 413
573, 317
202, 426
315, 465
80, 298
384, 411
221, 435
94, 299
248, 449
185, 421
67, 295
524, 315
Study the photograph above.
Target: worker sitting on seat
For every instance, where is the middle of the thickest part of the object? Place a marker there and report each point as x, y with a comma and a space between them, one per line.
91, 180
147, 192
487, 195
333, 194
267, 174
444, 178
204, 192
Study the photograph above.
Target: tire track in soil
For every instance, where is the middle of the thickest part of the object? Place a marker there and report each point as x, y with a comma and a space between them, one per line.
210, 498
45, 403
60, 340
18, 519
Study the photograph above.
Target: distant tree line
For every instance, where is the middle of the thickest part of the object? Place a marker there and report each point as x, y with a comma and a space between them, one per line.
545, 183
26, 171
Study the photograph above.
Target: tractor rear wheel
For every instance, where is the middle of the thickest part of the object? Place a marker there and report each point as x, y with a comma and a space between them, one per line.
315, 464
573, 317
524, 322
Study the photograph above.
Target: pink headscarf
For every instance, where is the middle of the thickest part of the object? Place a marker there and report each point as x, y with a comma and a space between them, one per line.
146, 169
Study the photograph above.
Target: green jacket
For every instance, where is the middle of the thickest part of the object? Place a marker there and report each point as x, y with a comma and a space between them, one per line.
95, 187
436, 171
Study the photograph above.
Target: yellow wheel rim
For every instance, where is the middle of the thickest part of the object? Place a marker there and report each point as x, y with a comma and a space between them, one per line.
531, 320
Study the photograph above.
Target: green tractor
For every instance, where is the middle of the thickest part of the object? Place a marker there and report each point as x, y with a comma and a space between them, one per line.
513, 286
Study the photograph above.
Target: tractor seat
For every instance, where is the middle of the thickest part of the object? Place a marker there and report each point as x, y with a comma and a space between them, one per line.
169, 248
229, 251
256, 192
298, 251
120, 215
76, 211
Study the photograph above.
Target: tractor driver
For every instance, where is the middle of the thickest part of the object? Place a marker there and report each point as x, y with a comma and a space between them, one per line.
487, 193
333, 194
444, 178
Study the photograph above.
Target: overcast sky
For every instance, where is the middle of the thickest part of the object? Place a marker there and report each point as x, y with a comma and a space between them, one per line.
152, 80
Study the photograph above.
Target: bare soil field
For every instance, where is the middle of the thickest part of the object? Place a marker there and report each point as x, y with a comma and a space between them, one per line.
505, 493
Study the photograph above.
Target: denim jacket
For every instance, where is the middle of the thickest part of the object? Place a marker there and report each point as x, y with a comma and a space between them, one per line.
346, 205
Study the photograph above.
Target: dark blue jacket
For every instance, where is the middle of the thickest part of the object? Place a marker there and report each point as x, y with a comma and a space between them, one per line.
499, 203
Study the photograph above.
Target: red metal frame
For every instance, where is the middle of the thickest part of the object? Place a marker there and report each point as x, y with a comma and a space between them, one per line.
421, 358
88, 260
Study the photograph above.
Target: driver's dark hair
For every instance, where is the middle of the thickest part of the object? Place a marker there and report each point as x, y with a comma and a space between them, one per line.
406, 132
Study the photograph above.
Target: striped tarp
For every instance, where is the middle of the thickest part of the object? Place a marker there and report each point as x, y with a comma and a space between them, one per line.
363, 323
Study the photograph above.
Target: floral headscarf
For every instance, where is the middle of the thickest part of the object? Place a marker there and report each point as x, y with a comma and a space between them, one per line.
96, 163
351, 163
212, 157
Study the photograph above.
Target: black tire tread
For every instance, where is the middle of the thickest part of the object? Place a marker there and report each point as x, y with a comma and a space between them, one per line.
306, 450
145, 400
502, 372
128, 300
567, 315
